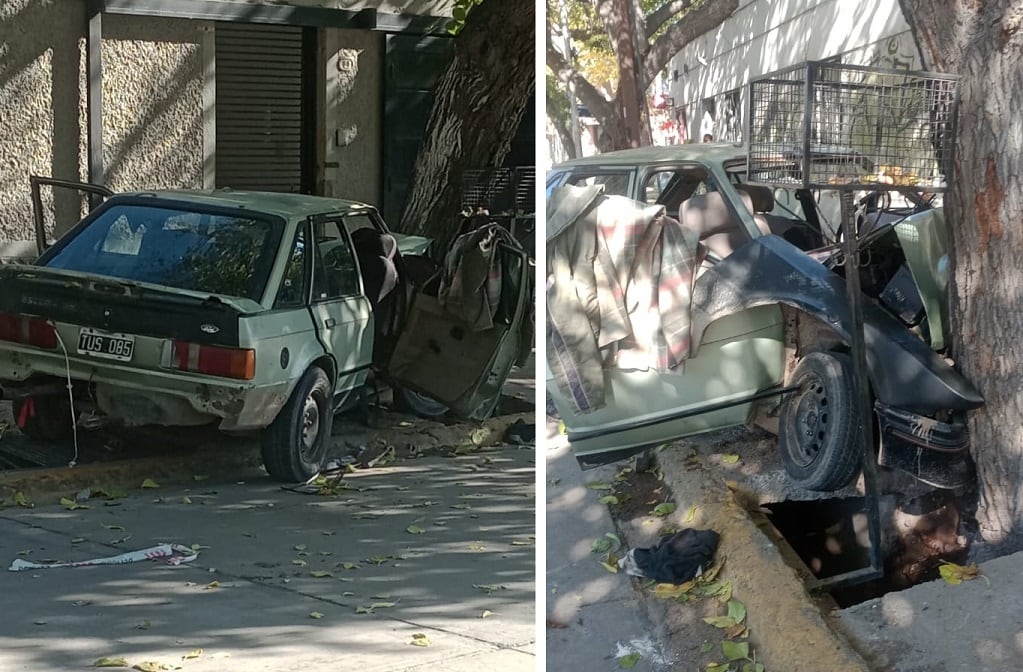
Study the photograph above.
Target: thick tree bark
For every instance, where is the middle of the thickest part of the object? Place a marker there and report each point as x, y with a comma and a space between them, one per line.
478, 104
982, 42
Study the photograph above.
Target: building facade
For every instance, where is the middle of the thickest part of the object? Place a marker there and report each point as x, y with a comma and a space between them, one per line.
706, 81
324, 97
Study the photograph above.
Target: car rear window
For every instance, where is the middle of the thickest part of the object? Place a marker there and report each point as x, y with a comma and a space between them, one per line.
228, 254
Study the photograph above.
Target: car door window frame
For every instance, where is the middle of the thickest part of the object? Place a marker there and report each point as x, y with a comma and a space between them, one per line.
305, 291
318, 265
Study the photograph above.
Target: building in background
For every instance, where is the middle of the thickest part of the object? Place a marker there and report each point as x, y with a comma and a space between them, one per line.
327, 97
707, 80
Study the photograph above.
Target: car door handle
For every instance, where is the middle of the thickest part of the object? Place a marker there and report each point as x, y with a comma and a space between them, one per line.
330, 323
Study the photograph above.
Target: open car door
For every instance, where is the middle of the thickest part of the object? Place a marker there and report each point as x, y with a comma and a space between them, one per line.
467, 328
68, 203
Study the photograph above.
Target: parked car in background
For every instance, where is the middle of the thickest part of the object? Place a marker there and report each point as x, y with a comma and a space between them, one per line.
255, 311
767, 325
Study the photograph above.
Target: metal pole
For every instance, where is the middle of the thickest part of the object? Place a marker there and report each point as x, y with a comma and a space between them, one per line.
573, 108
860, 378
94, 92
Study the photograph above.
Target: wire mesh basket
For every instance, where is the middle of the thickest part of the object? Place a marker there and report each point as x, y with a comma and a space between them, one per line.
499, 190
825, 125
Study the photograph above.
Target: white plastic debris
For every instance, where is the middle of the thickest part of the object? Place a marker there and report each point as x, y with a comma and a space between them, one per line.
171, 554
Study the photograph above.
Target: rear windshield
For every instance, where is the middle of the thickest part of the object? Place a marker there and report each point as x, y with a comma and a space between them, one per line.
187, 249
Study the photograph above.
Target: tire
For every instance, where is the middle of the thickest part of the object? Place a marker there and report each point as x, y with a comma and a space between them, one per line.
295, 444
44, 417
819, 426
418, 404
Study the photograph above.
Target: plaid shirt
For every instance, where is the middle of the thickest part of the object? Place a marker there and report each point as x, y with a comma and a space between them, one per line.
620, 278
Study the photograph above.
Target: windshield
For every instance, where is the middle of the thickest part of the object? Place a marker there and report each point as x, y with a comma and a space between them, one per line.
228, 254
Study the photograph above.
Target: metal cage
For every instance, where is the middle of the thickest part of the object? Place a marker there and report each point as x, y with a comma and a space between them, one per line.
824, 125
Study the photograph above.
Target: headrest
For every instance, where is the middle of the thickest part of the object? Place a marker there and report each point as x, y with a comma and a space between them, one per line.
762, 197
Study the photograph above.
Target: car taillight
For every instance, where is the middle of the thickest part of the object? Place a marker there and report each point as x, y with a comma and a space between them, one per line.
28, 330
215, 361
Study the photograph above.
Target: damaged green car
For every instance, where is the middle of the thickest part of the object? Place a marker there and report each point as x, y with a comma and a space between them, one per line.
764, 330
251, 311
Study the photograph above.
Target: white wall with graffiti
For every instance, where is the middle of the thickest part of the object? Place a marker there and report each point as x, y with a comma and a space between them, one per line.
705, 84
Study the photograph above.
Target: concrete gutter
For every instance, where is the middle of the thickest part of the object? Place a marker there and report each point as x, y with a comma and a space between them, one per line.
787, 629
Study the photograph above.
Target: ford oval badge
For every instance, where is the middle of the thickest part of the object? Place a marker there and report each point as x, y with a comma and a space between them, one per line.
209, 328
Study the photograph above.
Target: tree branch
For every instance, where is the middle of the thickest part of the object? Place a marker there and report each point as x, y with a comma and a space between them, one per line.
663, 14
686, 29
587, 94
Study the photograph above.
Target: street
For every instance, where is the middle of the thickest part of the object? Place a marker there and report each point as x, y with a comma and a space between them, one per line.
440, 546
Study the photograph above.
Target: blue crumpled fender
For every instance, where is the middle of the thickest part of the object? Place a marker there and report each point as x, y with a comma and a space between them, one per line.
904, 372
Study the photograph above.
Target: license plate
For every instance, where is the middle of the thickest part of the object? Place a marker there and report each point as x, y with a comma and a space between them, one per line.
104, 344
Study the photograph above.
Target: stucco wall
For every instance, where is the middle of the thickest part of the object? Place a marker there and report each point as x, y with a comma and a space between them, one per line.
765, 36
41, 104
354, 113
152, 103
421, 7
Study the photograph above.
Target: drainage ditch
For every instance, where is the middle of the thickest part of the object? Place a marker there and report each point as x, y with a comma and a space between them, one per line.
830, 537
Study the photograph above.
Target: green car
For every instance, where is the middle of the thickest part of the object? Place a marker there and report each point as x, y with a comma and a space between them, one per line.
767, 326
255, 311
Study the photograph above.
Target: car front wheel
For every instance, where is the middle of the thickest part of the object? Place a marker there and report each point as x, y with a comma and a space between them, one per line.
295, 445
819, 428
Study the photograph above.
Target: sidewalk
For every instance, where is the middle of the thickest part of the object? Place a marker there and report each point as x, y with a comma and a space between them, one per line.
442, 545
593, 617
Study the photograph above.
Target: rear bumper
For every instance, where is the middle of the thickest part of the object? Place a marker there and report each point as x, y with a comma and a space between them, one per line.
143, 397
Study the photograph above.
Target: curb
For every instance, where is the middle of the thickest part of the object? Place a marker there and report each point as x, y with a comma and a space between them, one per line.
242, 461
788, 631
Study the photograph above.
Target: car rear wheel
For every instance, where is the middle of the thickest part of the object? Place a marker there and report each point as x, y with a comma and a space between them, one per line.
819, 428
44, 417
295, 445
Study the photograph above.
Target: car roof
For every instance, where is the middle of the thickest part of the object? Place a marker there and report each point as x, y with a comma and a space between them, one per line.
710, 152
283, 204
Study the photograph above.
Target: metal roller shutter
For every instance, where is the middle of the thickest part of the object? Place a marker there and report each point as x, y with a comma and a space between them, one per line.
259, 107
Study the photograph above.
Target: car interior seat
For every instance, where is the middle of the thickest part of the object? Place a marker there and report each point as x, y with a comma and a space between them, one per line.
720, 230
376, 253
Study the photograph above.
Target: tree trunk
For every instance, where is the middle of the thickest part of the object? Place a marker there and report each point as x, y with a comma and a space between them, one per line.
478, 104
981, 41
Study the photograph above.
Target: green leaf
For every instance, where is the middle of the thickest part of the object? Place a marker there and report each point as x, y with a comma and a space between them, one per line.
629, 661
955, 574
690, 515
486, 613
608, 499
706, 647
349, 565
730, 458
315, 614
719, 621
150, 666
606, 543
718, 667
110, 662
735, 650
71, 505
414, 529
299, 547
22, 501
736, 611
664, 509
149, 483
299, 562
321, 574
599, 485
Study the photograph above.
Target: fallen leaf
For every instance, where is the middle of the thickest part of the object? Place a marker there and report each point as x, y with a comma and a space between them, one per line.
349, 565
490, 587
321, 574
72, 505
144, 625
299, 547
664, 509
299, 562
486, 613
149, 483
150, 666
730, 458
669, 591
519, 542
186, 500
199, 477
609, 500
606, 543
419, 639
110, 662
627, 662
77, 540
706, 647
752, 667
735, 650
690, 515
22, 501
609, 566
955, 574
315, 614
599, 485
39, 622
719, 621
736, 611
737, 630
211, 585
117, 528
414, 529
718, 667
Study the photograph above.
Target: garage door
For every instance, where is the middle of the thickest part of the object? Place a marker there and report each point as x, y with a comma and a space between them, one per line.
260, 112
